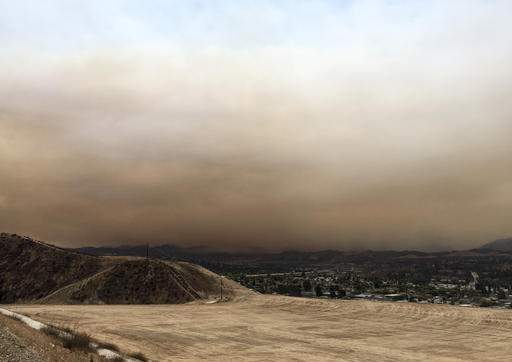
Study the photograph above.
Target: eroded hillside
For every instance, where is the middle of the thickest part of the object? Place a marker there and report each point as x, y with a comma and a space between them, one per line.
35, 272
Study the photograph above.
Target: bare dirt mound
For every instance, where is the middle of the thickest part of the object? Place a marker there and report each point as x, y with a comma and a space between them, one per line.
31, 271
144, 282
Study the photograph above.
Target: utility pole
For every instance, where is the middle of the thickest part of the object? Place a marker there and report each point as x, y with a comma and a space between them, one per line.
147, 251
221, 287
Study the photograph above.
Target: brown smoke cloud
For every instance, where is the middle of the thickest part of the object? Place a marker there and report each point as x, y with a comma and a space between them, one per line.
281, 148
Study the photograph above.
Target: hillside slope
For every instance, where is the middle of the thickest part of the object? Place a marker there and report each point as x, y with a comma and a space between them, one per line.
30, 270
145, 282
34, 272
500, 244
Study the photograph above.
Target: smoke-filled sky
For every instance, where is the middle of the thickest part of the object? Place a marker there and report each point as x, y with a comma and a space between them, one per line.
272, 124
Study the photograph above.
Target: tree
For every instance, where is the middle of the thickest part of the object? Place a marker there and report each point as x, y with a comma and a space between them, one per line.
318, 290
332, 290
306, 285
294, 290
486, 302
283, 288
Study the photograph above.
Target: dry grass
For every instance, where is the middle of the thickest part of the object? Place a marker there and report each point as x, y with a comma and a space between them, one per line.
139, 356
71, 339
109, 346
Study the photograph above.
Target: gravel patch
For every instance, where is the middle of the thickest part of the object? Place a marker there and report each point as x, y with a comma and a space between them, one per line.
12, 349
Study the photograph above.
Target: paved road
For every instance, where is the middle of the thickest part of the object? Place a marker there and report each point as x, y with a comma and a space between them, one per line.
13, 349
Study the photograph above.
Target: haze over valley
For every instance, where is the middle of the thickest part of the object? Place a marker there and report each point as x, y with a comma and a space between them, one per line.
239, 180
315, 125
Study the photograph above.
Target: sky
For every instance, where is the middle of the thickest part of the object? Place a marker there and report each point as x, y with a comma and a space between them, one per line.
257, 124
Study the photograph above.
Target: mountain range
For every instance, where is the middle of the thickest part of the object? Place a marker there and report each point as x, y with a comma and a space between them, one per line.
201, 254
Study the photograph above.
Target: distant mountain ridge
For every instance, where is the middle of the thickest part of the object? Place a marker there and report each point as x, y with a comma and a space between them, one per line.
163, 250
500, 244
211, 257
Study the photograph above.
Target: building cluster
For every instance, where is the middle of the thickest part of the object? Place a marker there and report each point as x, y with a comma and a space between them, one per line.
351, 283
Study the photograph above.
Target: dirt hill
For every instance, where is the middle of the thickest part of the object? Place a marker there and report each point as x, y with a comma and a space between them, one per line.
35, 272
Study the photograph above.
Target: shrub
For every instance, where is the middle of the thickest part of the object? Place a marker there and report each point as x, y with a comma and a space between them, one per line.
52, 332
486, 302
80, 341
109, 346
139, 356
71, 339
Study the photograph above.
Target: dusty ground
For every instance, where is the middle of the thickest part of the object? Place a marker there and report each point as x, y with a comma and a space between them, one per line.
13, 348
282, 328
20, 343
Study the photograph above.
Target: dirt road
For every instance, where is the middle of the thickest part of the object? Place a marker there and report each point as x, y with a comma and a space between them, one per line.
282, 328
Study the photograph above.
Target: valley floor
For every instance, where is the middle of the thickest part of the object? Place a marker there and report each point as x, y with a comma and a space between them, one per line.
266, 327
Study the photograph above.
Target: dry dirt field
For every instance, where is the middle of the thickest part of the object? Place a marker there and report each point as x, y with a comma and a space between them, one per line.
262, 328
